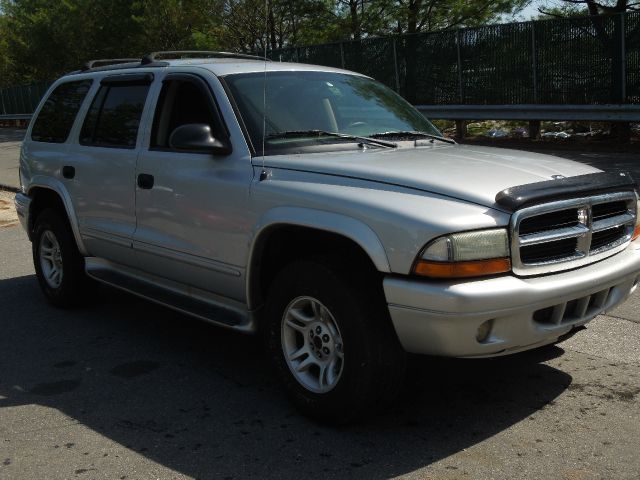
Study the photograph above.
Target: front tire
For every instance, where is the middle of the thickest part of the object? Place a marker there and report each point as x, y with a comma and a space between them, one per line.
58, 263
330, 339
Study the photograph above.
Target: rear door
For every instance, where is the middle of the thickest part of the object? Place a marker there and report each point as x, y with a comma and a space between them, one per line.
192, 207
104, 166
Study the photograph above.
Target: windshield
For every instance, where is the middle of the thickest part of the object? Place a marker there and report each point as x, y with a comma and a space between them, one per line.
319, 101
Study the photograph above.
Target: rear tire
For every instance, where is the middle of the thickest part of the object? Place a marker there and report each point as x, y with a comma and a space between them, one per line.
58, 263
330, 338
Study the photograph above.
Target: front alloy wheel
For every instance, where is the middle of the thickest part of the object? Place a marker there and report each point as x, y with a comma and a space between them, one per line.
330, 339
312, 344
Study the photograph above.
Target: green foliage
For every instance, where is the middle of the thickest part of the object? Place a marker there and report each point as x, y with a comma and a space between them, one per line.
580, 8
46, 38
177, 24
42, 39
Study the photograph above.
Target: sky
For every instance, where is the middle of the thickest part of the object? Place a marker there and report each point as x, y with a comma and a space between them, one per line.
531, 11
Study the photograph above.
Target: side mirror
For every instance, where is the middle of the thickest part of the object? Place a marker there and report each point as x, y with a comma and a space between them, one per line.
197, 137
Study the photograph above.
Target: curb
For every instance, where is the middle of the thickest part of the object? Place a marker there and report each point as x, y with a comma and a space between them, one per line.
9, 188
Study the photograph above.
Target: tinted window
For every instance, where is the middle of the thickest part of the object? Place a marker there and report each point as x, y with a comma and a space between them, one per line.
180, 103
56, 117
114, 116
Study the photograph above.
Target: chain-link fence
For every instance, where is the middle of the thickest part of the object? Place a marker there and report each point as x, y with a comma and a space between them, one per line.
584, 61
21, 100
578, 61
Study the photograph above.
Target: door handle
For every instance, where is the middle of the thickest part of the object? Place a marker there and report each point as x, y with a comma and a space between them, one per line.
145, 181
68, 171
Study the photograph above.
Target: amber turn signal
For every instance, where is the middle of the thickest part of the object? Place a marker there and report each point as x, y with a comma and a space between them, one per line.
636, 233
476, 268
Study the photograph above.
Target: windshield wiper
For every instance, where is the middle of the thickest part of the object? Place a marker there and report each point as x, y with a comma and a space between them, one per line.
321, 133
412, 135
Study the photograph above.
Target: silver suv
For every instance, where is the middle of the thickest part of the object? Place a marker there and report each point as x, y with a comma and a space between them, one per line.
318, 207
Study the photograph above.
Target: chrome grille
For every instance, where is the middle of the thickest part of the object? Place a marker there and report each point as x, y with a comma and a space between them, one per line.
569, 233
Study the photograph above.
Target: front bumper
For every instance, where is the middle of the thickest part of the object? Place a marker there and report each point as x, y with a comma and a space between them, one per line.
23, 203
443, 318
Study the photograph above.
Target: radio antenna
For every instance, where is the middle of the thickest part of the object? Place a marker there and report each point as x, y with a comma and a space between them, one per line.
263, 173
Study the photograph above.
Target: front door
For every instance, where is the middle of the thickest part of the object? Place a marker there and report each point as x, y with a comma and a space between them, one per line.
192, 207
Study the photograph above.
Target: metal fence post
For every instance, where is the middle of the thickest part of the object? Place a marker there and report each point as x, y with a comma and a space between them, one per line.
395, 65
13, 104
342, 54
3, 109
458, 48
22, 101
623, 57
534, 62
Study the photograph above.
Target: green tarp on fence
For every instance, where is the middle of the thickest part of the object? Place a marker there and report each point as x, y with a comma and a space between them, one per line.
588, 60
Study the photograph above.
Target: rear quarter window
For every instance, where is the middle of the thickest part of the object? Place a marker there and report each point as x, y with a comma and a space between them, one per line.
59, 111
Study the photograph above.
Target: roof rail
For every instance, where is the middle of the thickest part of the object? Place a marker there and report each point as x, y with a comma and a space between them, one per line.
177, 54
103, 62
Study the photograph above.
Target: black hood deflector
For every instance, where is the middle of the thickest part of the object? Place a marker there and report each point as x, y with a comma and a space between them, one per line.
520, 196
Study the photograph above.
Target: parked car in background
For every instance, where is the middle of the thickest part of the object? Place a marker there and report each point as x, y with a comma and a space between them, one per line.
560, 135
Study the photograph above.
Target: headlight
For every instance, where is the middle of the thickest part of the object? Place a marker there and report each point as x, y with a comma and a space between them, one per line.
467, 254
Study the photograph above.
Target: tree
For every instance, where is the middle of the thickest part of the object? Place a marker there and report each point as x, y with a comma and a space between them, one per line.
359, 18
46, 38
5, 58
592, 7
413, 16
252, 25
42, 39
178, 24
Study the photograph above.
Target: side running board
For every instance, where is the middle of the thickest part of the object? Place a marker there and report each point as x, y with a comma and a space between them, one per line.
185, 299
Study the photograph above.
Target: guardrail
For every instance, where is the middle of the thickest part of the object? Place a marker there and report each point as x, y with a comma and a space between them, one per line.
595, 113
19, 120
21, 116
592, 113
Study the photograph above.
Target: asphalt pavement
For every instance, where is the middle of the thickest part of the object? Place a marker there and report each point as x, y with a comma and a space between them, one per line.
10, 141
125, 389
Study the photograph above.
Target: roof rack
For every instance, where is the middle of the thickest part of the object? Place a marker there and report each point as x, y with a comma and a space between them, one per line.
103, 62
177, 54
155, 59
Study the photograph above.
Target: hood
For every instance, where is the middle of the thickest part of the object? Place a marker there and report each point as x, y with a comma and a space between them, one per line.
472, 173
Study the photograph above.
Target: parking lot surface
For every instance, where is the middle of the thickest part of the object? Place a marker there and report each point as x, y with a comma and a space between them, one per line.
124, 389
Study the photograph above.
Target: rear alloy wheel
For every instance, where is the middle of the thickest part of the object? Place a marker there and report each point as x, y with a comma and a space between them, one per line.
330, 339
58, 263
51, 259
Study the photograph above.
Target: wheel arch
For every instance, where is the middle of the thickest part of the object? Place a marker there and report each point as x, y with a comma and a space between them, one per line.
324, 230
47, 192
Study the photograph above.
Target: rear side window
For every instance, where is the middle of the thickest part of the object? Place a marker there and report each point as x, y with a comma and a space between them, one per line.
114, 116
56, 117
